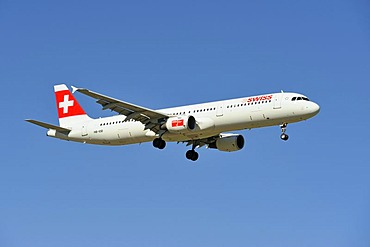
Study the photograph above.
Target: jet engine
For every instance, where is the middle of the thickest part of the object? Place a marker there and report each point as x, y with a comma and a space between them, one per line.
181, 124
228, 143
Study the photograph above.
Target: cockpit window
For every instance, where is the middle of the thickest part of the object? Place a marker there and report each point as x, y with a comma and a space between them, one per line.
300, 98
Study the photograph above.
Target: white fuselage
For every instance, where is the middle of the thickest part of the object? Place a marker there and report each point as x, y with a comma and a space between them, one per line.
226, 115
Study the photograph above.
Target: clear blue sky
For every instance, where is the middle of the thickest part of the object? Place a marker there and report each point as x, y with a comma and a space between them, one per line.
313, 190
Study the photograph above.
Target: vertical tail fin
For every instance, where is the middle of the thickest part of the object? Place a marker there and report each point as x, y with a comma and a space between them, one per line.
70, 111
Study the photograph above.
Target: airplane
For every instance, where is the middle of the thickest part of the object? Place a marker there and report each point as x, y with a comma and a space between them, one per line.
197, 125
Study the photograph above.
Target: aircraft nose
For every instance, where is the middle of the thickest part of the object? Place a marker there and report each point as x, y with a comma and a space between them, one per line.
315, 108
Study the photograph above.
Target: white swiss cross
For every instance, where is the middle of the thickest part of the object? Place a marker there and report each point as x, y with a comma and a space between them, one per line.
66, 103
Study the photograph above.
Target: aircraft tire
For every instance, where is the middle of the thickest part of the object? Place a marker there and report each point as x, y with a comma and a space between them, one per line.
284, 137
192, 155
162, 144
156, 142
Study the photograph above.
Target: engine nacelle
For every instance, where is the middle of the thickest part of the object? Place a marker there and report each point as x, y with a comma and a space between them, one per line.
229, 143
181, 124
204, 124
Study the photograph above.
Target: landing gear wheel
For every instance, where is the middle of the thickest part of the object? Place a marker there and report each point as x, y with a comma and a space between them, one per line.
192, 155
162, 144
156, 142
159, 143
284, 137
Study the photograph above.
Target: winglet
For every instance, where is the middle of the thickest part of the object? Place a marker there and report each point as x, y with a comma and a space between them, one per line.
74, 89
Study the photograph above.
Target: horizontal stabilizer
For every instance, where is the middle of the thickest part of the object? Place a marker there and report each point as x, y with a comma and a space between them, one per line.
48, 126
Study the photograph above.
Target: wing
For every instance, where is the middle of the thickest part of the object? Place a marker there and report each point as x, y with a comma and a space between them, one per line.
198, 143
150, 118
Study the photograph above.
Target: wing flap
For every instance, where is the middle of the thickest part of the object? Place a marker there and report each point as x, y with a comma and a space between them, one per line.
198, 143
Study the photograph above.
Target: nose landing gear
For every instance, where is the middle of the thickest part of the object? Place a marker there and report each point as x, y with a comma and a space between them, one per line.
284, 136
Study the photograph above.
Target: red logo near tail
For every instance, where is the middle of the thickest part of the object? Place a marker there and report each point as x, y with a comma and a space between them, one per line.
67, 104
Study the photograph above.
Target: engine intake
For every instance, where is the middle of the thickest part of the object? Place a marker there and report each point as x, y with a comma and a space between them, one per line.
180, 124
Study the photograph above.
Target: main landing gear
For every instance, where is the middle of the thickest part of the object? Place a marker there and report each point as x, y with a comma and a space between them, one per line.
159, 143
283, 136
192, 155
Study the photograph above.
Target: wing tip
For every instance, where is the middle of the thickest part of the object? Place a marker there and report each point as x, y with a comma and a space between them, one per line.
74, 89
29, 120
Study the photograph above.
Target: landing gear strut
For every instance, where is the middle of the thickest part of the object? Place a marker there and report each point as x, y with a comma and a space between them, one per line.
159, 143
283, 136
192, 154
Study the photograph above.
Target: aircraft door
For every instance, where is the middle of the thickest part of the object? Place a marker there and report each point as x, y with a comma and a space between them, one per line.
220, 111
84, 130
277, 100
124, 135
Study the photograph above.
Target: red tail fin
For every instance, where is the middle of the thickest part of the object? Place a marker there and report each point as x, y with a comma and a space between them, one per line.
67, 105
70, 112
